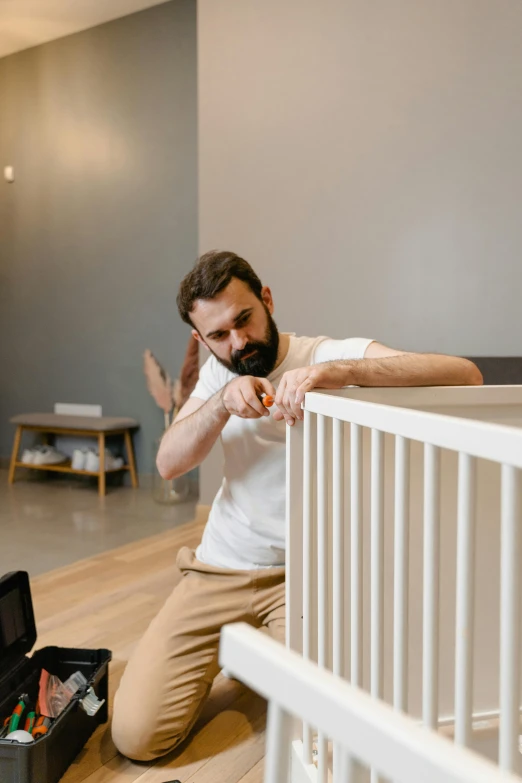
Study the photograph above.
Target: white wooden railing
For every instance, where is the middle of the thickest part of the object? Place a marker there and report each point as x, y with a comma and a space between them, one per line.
343, 501
367, 732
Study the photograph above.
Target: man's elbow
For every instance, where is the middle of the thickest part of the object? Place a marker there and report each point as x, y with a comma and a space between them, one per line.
474, 376
164, 469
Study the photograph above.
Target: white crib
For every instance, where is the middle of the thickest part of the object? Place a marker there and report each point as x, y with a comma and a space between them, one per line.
403, 560
368, 733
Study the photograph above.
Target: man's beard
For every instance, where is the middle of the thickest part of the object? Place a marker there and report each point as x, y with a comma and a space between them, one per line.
263, 361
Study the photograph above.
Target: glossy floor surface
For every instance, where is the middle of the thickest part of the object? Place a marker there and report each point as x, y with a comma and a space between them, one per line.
46, 523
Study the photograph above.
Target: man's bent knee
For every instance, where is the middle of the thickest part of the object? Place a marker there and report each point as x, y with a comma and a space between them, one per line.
138, 740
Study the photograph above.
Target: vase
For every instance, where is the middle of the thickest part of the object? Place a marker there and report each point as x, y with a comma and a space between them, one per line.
168, 491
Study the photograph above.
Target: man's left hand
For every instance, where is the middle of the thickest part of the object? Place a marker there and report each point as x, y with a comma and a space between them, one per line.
295, 383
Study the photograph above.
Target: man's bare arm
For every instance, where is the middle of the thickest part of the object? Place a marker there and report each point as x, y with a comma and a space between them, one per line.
412, 369
190, 438
381, 366
199, 424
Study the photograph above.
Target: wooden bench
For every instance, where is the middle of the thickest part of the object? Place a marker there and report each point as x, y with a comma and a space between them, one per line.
98, 427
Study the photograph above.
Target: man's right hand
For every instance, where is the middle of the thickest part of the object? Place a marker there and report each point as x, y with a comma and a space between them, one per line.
241, 396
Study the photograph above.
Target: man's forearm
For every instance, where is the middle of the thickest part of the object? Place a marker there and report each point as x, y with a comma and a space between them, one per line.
413, 369
186, 444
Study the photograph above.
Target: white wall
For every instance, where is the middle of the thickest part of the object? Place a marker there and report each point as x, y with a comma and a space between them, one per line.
366, 156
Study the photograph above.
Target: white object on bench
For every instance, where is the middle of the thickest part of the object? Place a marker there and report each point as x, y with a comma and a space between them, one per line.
73, 409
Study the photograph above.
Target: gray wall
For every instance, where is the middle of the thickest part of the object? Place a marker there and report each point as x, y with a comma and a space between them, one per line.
101, 223
366, 156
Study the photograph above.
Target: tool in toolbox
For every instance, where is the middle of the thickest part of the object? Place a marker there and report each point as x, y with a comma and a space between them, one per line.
91, 703
30, 719
75, 693
42, 726
14, 720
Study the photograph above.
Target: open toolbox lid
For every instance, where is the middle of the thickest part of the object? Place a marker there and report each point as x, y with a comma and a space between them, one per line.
17, 625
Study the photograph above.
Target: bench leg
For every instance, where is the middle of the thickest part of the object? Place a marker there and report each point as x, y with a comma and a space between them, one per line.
101, 474
14, 454
131, 460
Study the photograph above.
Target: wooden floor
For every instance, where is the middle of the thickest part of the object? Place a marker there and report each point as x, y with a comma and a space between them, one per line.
108, 601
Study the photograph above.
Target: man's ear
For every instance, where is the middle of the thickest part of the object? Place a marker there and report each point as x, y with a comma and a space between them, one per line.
196, 335
266, 296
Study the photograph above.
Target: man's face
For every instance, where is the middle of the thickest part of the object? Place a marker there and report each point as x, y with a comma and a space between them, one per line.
239, 329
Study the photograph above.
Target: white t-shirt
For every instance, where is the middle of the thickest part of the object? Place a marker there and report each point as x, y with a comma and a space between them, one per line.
246, 525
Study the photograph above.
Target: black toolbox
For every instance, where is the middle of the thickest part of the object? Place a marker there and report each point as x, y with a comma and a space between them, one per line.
46, 759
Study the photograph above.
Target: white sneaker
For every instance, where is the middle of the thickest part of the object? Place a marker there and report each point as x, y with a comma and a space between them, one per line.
92, 463
29, 455
49, 456
79, 459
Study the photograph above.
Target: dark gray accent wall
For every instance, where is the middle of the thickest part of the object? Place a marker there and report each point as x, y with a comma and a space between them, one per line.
500, 370
101, 222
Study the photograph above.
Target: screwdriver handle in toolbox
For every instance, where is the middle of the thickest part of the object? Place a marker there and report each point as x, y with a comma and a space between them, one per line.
41, 726
30, 721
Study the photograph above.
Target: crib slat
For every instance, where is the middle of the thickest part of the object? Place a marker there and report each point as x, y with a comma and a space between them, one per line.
368, 729
511, 517
401, 573
377, 562
322, 542
278, 739
465, 599
338, 546
350, 771
338, 561
356, 554
308, 554
322, 577
430, 640
377, 569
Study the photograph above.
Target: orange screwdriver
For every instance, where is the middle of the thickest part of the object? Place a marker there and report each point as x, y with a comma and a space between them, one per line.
42, 726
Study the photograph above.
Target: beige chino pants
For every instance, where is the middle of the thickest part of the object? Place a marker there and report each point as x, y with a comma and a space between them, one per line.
172, 669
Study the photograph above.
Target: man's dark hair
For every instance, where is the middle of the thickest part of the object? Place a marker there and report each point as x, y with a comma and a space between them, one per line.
213, 272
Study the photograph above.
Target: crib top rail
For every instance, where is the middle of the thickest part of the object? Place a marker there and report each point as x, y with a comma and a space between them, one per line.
434, 396
369, 730
492, 441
